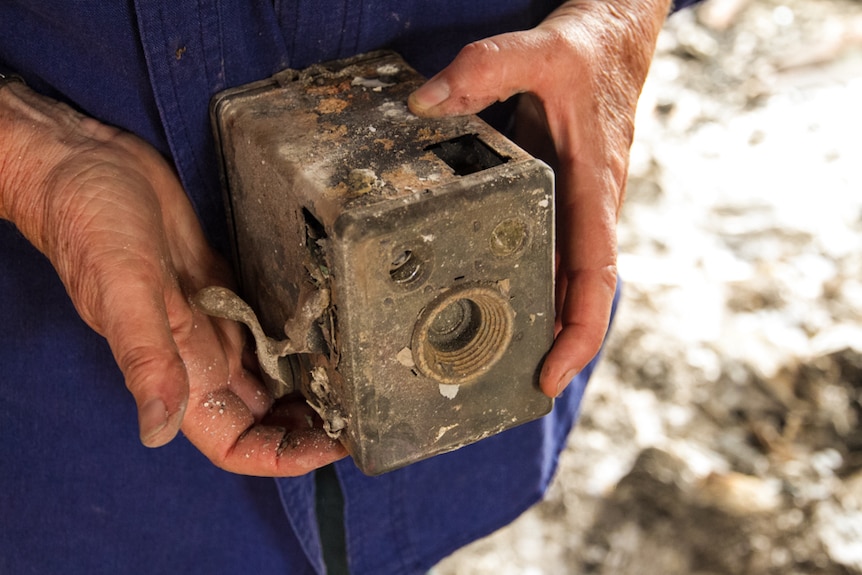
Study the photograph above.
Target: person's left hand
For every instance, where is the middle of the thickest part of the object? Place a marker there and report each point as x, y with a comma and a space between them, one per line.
581, 72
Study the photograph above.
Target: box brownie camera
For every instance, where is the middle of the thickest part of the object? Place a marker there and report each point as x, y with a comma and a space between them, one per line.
401, 268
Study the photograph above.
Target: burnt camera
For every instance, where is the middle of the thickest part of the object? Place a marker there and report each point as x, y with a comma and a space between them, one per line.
401, 268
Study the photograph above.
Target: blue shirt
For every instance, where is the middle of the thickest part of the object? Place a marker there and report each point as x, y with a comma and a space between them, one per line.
78, 492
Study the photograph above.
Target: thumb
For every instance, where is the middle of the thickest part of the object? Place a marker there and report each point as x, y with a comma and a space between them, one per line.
139, 332
484, 72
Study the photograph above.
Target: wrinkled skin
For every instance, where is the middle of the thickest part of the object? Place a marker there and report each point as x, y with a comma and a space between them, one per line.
580, 72
111, 216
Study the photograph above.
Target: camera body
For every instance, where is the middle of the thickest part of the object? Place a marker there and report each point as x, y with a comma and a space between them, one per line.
419, 252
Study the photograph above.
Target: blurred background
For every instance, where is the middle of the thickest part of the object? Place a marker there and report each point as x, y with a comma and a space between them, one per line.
723, 431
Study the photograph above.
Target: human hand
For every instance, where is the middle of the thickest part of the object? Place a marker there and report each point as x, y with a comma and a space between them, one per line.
111, 216
581, 72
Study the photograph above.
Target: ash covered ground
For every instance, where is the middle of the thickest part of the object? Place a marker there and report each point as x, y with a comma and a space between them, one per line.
723, 431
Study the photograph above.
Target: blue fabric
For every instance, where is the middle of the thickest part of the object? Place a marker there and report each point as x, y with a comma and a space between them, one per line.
78, 492
680, 4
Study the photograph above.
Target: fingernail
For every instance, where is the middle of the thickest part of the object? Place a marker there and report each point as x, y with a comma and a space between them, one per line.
565, 381
153, 417
430, 94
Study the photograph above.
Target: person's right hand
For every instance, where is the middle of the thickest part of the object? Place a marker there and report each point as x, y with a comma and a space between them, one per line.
111, 216
579, 74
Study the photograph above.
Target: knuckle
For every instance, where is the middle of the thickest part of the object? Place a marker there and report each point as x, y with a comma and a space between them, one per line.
481, 49
146, 365
481, 66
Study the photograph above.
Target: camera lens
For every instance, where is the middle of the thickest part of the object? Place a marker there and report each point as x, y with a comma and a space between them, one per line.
455, 326
462, 333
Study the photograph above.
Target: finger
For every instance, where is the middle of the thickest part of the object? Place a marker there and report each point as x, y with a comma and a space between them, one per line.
242, 381
252, 393
586, 314
484, 72
222, 427
280, 452
587, 275
136, 325
228, 406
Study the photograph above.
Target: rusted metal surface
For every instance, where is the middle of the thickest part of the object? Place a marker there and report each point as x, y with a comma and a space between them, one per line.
432, 240
273, 355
